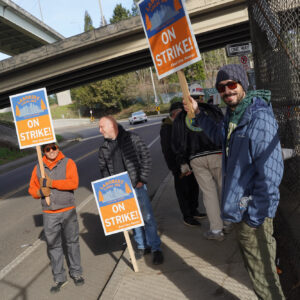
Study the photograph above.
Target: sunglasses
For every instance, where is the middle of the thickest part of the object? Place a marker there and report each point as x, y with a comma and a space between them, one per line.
48, 148
231, 85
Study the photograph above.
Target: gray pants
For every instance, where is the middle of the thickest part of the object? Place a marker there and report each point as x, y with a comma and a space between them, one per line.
208, 173
56, 225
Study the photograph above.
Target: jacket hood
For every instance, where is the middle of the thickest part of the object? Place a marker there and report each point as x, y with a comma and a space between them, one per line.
262, 94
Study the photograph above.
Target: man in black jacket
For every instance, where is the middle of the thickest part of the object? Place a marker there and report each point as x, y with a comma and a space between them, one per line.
193, 148
186, 186
125, 151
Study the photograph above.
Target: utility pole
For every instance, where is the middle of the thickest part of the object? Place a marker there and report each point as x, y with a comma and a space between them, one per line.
102, 19
154, 90
41, 11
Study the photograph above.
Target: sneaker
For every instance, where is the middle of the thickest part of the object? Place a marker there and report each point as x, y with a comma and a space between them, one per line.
191, 222
78, 280
198, 215
228, 228
214, 236
157, 257
141, 252
58, 285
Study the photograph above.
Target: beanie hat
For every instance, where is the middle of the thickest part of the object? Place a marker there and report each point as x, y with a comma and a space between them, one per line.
175, 105
233, 72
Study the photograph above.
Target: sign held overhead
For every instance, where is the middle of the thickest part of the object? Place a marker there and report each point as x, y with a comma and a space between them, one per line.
168, 31
32, 118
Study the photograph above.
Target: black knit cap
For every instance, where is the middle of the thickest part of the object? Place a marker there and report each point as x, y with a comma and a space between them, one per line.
175, 105
233, 72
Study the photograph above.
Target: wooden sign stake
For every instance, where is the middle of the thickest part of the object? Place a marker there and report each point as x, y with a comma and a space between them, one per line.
185, 92
131, 252
40, 159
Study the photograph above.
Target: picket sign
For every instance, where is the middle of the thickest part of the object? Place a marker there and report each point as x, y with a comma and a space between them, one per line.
171, 41
33, 122
131, 252
40, 160
118, 207
185, 92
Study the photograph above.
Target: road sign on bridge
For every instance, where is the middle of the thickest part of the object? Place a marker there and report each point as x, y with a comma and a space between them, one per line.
239, 49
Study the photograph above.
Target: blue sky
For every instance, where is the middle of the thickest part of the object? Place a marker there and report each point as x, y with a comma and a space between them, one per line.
67, 16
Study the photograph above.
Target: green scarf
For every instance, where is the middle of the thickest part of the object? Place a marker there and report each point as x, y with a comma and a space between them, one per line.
236, 115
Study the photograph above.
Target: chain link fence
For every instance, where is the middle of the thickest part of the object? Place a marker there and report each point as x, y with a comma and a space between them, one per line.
275, 38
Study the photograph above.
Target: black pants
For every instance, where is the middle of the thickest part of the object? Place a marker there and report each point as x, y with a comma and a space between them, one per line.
187, 192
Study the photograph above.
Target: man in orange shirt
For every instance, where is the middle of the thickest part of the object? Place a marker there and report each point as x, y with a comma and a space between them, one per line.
60, 216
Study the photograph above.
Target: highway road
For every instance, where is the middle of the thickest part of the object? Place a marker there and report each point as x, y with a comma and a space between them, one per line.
20, 214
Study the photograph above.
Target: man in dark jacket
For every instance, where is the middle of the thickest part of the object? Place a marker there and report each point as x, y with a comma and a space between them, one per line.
252, 172
186, 186
125, 151
60, 216
193, 148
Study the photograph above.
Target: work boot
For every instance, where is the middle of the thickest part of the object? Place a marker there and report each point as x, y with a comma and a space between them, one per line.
57, 286
198, 215
78, 280
210, 235
141, 252
157, 257
190, 221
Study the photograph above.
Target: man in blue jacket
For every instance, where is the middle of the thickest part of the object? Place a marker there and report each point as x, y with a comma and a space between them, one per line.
252, 170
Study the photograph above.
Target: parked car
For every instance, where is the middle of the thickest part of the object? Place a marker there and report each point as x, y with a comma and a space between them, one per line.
138, 116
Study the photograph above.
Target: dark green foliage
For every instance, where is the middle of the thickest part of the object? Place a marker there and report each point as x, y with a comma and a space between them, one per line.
88, 23
120, 13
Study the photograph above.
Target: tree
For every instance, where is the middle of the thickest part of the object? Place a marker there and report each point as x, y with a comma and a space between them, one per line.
195, 72
120, 13
134, 9
88, 23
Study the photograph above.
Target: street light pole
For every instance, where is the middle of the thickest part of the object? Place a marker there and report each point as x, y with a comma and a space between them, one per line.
154, 90
102, 19
41, 10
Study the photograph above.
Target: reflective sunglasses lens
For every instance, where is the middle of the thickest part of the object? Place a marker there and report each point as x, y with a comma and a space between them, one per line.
221, 88
47, 149
232, 85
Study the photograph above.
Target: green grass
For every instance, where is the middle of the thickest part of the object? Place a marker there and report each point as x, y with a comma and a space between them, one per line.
9, 154
64, 112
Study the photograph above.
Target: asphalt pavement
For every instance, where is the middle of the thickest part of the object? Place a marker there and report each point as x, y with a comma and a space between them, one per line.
194, 268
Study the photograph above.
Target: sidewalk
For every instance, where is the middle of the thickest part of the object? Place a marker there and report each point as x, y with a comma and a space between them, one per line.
194, 267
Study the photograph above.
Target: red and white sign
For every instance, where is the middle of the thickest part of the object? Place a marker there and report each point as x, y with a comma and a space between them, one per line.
245, 61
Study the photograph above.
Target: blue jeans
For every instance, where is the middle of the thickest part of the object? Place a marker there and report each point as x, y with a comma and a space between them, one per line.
146, 236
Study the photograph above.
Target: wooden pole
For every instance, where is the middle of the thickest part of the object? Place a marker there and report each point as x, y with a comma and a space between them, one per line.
40, 159
131, 252
185, 92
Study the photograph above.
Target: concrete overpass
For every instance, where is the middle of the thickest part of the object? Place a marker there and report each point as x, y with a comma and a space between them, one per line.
21, 31
115, 49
